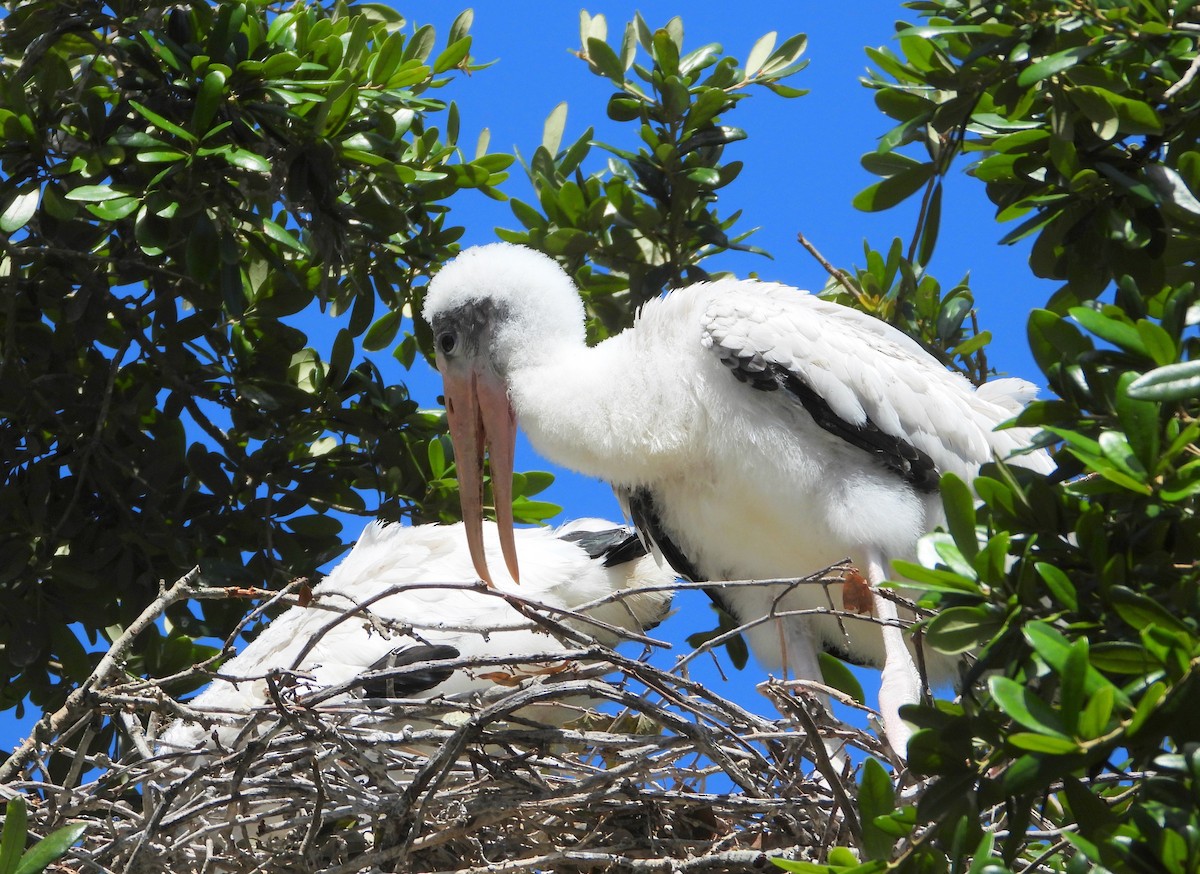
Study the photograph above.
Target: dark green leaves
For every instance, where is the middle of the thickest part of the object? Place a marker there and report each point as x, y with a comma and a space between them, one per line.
14, 858
894, 189
1055, 63
1113, 114
876, 799
1171, 382
192, 178
20, 209
1049, 106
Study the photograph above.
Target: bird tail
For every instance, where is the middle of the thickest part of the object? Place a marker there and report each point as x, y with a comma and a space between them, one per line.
1010, 393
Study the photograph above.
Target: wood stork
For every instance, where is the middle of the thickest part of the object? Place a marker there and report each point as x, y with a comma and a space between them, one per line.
753, 431
570, 567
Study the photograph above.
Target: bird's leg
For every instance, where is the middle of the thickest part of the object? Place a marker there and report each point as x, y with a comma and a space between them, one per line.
901, 681
808, 667
783, 647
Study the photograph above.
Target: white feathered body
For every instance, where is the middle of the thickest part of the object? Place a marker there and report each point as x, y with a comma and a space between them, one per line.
328, 650
748, 484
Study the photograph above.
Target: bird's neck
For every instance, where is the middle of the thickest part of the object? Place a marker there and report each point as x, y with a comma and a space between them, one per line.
592, 409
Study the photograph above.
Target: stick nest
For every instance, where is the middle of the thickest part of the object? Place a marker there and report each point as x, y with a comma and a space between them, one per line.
608, 763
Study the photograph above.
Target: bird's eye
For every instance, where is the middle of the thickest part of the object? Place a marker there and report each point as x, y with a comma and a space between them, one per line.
447, 343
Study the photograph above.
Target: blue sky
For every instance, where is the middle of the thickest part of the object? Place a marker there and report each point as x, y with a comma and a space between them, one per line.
801, 172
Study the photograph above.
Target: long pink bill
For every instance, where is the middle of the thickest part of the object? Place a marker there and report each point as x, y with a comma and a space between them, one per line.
482, 422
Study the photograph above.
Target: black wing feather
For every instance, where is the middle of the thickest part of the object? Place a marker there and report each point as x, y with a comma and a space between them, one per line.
913, 465
409, 683
615, 545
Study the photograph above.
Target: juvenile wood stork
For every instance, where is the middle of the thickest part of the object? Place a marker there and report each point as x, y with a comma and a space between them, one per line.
570, 567
753, 431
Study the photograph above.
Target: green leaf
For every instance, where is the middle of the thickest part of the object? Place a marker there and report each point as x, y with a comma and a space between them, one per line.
666, 52
1059, 584
1111, 326
437, 458
20, 209
876, 798
1141, 611
163, 123
1132, 116
930, 228
959, 504
1120, 657
48, 849
1146, 707
891, 191
114, 210
759, 52
552, 130
12, 840
835, 674
1070, 695
1093, 721
1053, 339
1173, 382
315, 525
279, 234
960, 629
94, 193
1036, 742
1025, 708
461, 25
888, 163
247, 160
605, 59
706, 176
1158, 342
208, 99
1055, 650
1116, 449
934, 579
452, 55
1055, 63
160, 156
1140, 420
383, 332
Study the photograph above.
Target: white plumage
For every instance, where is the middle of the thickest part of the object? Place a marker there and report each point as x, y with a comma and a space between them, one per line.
754, 430
328, 650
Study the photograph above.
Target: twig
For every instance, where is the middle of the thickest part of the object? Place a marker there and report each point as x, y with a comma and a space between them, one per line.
79, 701
840, 275
1185, 80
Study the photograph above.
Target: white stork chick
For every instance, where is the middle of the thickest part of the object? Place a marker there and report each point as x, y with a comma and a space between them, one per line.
581, 562
753, 430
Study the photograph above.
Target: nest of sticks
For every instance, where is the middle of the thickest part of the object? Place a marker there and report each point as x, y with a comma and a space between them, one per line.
649, 771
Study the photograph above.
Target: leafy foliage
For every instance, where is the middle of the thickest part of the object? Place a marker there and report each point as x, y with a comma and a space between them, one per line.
178, 184
1080, 592
15, 858
899, 290
1083, 118
649, 219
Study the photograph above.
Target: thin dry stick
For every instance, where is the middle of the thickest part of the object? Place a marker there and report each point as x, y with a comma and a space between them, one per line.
840, 275
79, 701
1186, 80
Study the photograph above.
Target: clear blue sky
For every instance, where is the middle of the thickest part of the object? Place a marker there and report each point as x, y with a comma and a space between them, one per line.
801, 171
